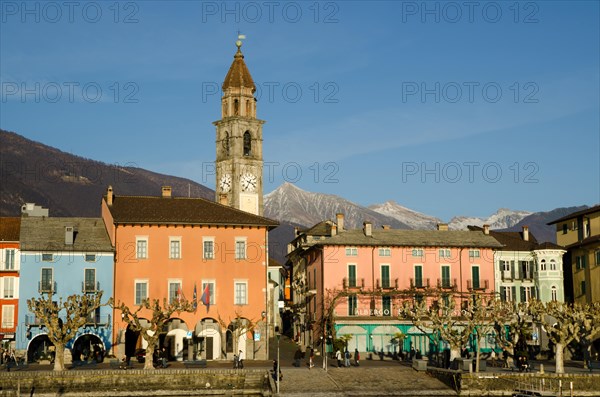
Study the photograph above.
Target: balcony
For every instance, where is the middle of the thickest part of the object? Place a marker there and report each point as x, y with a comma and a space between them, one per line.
386, 283
419, 283
96, 319
447, 283
353, 283
32, 321
45, 287
478, 284
87, 287
506, 275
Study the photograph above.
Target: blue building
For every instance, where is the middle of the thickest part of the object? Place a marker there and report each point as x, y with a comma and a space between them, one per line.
63, 257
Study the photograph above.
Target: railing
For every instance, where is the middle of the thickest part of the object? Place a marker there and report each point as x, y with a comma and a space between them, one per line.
507, 275
96, 319
353, 283
385, 283
447, 283
478, 284
46, 287
90, 287
419, 283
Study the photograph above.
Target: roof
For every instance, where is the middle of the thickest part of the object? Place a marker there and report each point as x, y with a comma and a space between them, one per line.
9, 229
322, 228
513, 241
182, 211
48, 234
414, 238
585, 241
590, 210
238, 74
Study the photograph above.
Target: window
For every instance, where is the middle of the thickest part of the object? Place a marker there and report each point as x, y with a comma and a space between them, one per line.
597, 257
351, 251
385, 276
247, 144
583, 287
8, 316
417, 253
174, 247
525, 267
552, 264
211, 290
47, 280
419, 276
8, 290
90, 257
385, 252
240, 249
351, 275
473, 253
565, 228
446, 277
475, 277
141, 247
47, 257
543, 265
209, 249
386, 305
174, 291
9, 259
554, 293
444, 253
507, 294
241, 293
141, 291
352, 305
89, 283
527, 293
580, 262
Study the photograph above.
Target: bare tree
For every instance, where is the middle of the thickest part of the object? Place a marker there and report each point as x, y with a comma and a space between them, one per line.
62, 319
158, 315
480, 312
512, 323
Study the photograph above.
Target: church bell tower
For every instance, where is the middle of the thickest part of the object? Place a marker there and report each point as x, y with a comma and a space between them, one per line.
239, 161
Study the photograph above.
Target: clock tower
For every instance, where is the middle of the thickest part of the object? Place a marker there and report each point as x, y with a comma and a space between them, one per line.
239, 163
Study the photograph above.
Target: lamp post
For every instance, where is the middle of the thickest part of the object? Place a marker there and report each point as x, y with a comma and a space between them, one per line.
277, 369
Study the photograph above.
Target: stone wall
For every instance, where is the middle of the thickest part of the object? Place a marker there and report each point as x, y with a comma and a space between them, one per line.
135, 382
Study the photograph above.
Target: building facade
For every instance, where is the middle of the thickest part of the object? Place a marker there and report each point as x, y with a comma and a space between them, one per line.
579, 234
169, 247
61, 257
10, 258
358, 279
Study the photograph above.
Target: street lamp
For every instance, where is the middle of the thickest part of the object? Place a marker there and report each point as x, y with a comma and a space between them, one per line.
277, 369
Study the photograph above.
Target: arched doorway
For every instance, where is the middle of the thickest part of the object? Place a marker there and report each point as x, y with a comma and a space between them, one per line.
208, 333
88, 347
40, 348
176, 339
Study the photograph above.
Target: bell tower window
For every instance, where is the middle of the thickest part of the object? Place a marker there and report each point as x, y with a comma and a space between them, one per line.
236, 107
226, 144
247, 144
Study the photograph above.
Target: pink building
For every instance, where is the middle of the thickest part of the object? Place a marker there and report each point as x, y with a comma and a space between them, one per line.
375, 271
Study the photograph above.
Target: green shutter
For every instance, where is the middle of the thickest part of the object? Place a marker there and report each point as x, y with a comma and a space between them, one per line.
419, 276
475, 276
352, 275
385, 276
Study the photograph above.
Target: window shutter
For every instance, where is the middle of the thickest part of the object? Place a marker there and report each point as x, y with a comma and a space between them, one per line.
523, 296
512, 269
503, 294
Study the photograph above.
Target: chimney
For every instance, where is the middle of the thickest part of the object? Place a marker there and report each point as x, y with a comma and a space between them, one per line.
340, 221
442, 227
166, 191
109, 195
333, 230
368, 229
486, 229
526, 233
69, 235
386, 227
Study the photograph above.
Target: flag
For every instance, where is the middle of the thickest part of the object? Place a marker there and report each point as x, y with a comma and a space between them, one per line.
205, 299
195, 298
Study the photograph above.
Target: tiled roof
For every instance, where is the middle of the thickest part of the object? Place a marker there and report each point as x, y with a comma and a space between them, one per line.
548, 246
585, 241
513, 241
9, 229
576, 214
414, 238
238, 75
48, 234
181, 210
322, 228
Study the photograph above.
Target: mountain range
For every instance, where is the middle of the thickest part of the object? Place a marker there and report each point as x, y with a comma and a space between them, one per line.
71, 185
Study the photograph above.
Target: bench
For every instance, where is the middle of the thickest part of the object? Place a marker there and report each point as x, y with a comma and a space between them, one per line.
195, 364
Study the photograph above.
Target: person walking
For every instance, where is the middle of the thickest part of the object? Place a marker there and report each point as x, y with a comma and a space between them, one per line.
241, 360
356, 357
338, 356
311, 358
347, 357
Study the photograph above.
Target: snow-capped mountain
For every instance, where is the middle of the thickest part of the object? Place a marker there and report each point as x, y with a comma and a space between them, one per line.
502, 219
414, 219
290, 204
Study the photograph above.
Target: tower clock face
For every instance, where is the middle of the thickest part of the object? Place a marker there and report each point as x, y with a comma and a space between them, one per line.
225, 183
248, 182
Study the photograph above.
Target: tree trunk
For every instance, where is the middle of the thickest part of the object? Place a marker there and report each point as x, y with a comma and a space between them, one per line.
59, 357
560, 366
148, 364
477, 353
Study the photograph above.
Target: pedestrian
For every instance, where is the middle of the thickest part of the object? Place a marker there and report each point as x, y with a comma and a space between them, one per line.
418, 355
236, 361
356, 357
297, 357
311, 358
241, 360
162, 356
338, 356
347, 357
412, 353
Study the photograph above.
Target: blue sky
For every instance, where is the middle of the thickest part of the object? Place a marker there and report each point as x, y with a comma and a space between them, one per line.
449, 109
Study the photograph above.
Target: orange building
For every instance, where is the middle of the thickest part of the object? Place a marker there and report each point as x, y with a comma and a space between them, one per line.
9, 278
168, 247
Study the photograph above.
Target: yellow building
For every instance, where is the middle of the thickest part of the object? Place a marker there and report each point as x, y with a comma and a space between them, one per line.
579, 233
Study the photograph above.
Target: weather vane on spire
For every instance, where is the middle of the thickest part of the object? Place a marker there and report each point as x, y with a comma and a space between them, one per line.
241, 37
